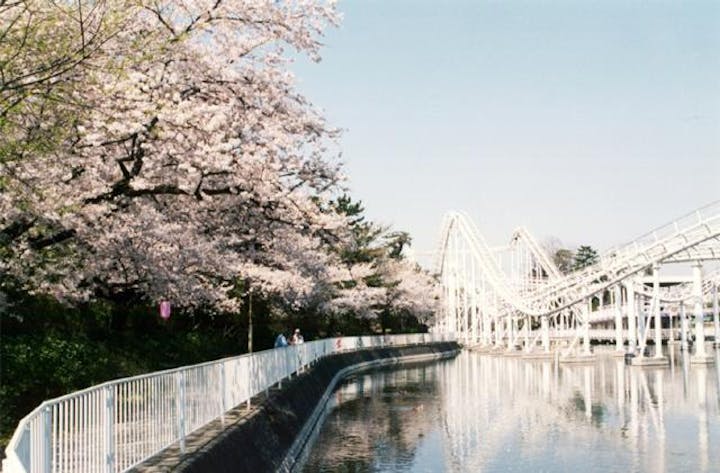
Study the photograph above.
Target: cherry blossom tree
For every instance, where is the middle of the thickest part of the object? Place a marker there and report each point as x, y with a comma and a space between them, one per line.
375, 278
389, 287
158, 148
184, 166
48, 51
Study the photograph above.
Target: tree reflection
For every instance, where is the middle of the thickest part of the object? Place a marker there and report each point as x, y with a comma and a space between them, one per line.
378, 423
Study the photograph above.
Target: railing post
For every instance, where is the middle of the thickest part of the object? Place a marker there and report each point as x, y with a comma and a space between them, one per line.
109, 429
223, 395
47, 440
180, 407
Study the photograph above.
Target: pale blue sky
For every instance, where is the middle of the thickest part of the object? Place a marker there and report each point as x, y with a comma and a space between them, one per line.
592, 121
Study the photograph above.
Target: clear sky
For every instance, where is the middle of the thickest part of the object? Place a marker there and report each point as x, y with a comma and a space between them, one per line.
591, 121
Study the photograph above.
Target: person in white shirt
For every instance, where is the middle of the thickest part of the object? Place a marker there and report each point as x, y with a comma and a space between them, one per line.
297, 338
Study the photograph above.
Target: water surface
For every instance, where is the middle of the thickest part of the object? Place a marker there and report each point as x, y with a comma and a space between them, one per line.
482, 413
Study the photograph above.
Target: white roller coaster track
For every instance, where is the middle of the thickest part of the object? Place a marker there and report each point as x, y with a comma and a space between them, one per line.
664, 243
656, 247
468, 266
681, 293
521, 234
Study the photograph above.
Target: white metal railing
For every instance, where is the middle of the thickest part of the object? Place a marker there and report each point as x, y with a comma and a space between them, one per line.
675, 227
114, 426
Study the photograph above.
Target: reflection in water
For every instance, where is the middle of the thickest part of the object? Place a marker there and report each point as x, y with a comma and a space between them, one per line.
484, 413
378, 421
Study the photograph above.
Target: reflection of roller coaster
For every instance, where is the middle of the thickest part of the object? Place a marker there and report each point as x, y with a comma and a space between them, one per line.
515, 296
502, 413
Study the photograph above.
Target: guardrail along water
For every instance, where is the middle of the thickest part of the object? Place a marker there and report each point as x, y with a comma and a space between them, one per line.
116, 425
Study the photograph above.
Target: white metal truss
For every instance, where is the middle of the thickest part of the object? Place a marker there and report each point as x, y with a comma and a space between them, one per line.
516, 295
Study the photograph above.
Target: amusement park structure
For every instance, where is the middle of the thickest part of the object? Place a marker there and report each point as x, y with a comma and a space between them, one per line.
514, 299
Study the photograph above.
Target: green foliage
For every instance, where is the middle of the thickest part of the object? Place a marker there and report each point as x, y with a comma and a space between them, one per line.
37, 367
45, 62
370, 241
365, 246
48, 349
344, 205
396, 241
585, 256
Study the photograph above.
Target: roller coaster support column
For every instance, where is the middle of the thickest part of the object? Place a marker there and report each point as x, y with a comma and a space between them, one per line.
511, 333
526, 331
700, 355
545, 327
586, 326
617, 299
474, 310
483, 309
486, 331
632, 324
448, 296
463, 284
656, 308
683, 328
716, 316
487, 334
643, 323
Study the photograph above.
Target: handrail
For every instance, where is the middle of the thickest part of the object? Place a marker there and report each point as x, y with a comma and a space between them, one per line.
713, 208
113, 426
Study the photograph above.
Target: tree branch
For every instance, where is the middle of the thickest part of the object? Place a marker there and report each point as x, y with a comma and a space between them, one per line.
40, 243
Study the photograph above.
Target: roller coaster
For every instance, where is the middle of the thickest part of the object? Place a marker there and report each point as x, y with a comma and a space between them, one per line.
514, 299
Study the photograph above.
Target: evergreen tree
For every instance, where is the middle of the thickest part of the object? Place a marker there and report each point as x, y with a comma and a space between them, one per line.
363, 247
397, 241
585, 256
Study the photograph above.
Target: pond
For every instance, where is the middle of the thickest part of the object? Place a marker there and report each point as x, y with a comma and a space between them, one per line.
485, 413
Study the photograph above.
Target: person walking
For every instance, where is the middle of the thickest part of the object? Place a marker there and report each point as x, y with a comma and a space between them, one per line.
281, 341
297, 338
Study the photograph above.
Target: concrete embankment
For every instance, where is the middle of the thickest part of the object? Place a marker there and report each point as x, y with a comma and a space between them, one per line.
269, 435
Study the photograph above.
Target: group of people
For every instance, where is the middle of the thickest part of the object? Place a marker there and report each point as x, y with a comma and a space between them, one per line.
295, 339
